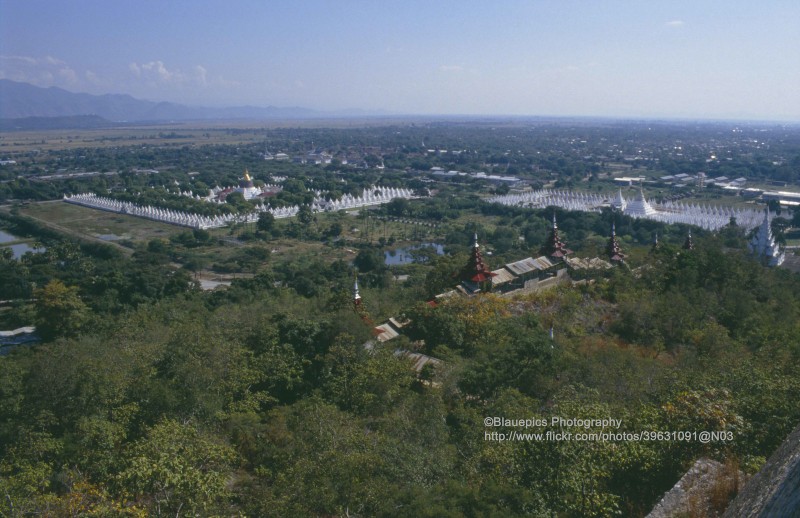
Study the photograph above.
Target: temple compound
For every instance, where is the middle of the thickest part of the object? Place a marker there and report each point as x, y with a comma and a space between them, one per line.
704, 216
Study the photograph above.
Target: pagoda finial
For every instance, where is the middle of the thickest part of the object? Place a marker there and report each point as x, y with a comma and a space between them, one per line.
614, 249
555, 226
688, 244
356, 294
475, 241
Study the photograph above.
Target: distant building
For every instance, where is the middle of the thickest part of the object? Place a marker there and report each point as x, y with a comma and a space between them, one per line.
628, 180
781, 196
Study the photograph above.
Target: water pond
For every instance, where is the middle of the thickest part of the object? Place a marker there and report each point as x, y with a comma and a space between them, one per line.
404, 255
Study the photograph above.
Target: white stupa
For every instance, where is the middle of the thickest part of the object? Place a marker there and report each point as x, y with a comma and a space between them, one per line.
639, 207
619, 202
764, 246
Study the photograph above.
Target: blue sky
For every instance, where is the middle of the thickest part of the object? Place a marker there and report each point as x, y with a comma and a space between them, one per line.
624, 58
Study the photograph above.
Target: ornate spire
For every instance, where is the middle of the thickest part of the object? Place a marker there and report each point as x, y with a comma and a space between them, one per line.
613, 249
554, 247
764, 246
475, 272
656, 244
356, 294
688, 244
619, 202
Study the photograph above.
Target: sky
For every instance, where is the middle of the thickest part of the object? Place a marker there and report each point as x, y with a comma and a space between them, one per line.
697, 59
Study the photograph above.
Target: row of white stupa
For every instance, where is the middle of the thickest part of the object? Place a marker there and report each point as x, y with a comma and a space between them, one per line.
709, 217
370, 197
172, 217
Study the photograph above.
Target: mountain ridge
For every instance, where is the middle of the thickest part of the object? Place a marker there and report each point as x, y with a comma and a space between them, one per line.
24, 101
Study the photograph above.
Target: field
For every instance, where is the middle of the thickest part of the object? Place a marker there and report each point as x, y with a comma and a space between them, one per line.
187, 134
91, 224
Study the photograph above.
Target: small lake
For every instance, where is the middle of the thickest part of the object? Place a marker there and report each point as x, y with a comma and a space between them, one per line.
19, 249
5, 237
404, 256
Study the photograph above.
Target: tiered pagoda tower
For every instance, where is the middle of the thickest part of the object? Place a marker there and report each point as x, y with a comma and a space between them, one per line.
763, 244
688, 244
554, 248
656, 245
613, 249
475, 275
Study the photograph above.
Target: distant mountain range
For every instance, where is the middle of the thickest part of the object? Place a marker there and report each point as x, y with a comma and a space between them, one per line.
22, 105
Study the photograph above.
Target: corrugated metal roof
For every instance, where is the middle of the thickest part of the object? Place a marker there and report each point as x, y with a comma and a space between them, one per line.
543, 262
397, 323
594, 263
522, 267
529, 264
421, 360
503, 276
385, 332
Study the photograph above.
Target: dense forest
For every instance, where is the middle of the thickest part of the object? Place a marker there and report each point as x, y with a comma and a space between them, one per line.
148, 396
151, 397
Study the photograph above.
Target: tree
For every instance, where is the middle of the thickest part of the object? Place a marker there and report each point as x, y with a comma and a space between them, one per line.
59, 311
177, 470
398, 207
266, 221
305, 216
369, 260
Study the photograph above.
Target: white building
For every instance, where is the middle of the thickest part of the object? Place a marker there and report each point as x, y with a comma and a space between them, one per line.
764, 246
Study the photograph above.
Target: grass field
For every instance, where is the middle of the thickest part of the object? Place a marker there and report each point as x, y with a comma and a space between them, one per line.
91, 223
176, 134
